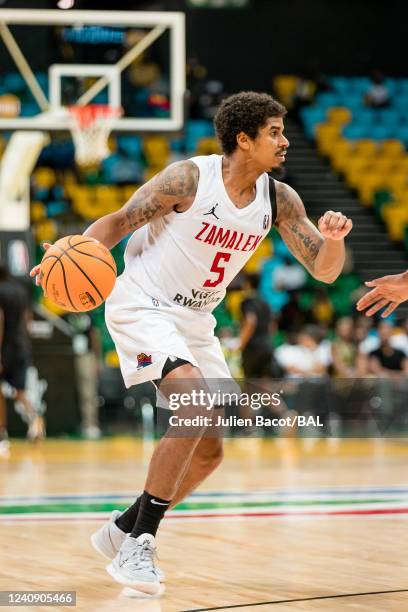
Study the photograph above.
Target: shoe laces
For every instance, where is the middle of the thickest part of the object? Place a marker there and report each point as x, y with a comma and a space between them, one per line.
141, 556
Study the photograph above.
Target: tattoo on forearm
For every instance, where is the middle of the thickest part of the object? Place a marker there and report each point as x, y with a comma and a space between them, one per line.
297, 231
311, 246
180, 180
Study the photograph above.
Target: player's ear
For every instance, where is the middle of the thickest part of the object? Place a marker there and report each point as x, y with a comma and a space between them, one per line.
243, 141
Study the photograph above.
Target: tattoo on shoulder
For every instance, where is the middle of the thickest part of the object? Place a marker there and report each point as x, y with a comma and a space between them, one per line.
179, 180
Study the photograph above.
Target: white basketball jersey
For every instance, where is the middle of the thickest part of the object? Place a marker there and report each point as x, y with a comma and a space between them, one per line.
189, 258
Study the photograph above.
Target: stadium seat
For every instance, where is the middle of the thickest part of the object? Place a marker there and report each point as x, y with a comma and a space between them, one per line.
382, 132
327, 99
369, 183
366, 147
396, 218
311, 117
285, 88
340, 84
326, 135
392, 148
356, 131
339, 154
339, 115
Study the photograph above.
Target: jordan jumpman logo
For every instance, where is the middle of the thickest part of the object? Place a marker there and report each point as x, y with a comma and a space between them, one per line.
212, 211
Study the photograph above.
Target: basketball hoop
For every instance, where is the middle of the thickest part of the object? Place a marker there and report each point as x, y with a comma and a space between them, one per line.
90, 131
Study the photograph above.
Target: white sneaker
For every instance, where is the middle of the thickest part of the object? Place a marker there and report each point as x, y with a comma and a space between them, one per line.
134, 564
109, 538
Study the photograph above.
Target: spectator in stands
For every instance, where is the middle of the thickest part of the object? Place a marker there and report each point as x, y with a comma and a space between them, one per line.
87, 351
292, 317
308, 357
290, 275
377, 95
344, 349
399, 340
387, 361
254, 334
15, 354
322, 309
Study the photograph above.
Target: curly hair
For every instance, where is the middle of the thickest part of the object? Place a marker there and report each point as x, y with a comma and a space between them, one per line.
244, 112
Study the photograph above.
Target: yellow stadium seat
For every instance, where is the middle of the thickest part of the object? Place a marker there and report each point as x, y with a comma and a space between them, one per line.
354, 167
45, 230
383, 164
44, 177
340, 153
396, 217
156, 150
339, 115
285, 86
208, 146
366, 146
392, 148
369, 183
233, 302
400, 192
402, 164
396, 180
263, 252
37, 211
327, 134
128, 191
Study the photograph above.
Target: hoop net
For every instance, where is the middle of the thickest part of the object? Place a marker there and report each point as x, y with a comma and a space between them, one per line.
90, 131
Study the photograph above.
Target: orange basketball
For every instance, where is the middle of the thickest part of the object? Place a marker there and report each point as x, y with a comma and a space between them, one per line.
77, 273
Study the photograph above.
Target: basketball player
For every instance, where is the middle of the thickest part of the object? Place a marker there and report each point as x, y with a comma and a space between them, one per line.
388, 292
205, 217
15, 356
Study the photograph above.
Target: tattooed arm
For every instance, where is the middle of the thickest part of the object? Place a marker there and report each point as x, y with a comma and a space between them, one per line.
320, 250
172, 189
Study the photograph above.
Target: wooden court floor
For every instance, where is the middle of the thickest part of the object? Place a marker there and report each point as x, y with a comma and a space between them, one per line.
282, 525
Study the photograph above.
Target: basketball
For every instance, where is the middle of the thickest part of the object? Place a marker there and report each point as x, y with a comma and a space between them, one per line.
77, 273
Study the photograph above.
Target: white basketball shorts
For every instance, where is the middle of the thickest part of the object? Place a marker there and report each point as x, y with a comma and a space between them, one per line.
146, 331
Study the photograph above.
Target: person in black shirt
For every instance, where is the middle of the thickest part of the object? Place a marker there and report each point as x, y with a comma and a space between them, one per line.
386, 361
15, 353
255, 328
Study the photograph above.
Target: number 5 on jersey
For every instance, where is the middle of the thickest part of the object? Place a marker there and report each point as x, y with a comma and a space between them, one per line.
217, 269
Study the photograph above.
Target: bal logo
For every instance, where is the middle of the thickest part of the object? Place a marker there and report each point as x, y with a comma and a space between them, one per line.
143, 360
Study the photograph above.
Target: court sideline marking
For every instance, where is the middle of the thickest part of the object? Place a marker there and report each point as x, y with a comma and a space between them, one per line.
282, 601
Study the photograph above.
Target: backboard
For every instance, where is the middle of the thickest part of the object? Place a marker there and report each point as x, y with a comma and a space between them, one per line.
53, 58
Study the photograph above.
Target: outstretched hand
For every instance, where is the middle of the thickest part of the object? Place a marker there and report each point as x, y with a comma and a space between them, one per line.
36, 270
334, 225
388, 292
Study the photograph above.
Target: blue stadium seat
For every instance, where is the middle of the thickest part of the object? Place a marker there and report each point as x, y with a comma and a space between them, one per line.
340, 84
353, 101
364, 116
132, 145
403, 134
382, 132
312, 116
360, 84
327, 99
355, 131
196, 129
401, 102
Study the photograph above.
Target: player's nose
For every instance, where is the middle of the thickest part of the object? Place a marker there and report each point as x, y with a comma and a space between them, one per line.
285, 142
